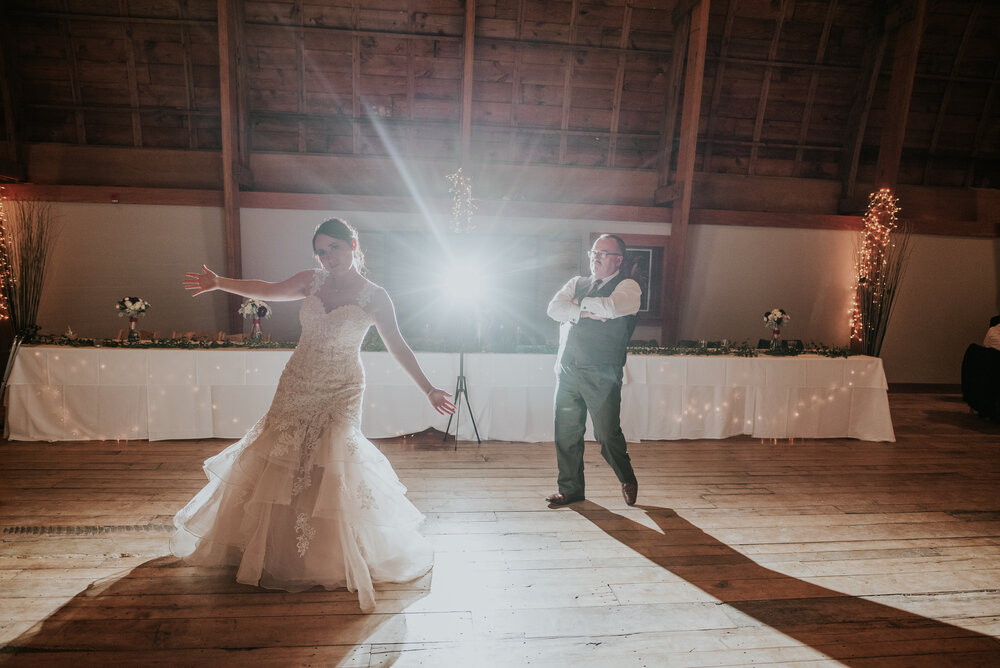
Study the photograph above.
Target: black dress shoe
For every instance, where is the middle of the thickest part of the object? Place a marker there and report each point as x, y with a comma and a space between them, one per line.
630, 490
560, 499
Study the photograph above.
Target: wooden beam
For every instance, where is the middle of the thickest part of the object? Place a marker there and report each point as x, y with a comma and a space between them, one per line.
687, 152
74, 78
616, 104
813, 82
765, 86
491, 207
720, 68
949, 88
904, 66
230, 55
671, 104
857, 118
981, 127
131, 79
567, 96
11, 162
468, 56
668, 194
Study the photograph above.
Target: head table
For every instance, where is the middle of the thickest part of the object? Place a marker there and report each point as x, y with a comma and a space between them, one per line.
64, 393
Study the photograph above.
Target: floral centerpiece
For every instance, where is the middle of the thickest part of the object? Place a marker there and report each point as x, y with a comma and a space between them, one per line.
256, 309
775, 319
133, 308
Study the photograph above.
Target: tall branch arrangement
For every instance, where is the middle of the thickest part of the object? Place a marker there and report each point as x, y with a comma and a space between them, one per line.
27, 237
879, 262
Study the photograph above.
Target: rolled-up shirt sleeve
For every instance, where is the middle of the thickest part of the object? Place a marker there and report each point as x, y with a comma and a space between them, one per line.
624, 300
561, 308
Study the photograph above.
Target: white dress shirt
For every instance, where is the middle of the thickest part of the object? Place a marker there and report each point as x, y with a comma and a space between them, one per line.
992, 339
624, 300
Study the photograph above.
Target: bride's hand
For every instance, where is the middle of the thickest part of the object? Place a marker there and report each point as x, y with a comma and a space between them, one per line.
439, 400
206, 281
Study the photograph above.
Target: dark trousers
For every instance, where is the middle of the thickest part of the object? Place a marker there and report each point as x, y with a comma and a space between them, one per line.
597, 390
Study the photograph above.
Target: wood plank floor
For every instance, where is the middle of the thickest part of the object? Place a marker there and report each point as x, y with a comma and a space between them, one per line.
831, 552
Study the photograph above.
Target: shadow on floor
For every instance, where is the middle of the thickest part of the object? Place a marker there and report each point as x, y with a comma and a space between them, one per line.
165, 613
965, 420
852, 630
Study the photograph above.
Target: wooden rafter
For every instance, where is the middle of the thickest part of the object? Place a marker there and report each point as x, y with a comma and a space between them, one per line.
74, 78
727, 36
813, 82
857, 118
131, 80
300, 75
468, 61
981, 128
765, 86
189, 85
10, 163
670, 109
686, 154
567, 96
949, 88
904, 67
616, 105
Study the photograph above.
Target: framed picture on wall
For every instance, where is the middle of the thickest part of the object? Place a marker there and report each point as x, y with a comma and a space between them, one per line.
645, 257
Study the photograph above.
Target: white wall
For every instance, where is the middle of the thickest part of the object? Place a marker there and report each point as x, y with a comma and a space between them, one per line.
108, 251
950, 290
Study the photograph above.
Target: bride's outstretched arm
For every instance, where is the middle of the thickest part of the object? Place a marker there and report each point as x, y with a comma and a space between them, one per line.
290, 289
385, 321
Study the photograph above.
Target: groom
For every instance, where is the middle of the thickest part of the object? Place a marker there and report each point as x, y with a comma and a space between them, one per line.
597, 315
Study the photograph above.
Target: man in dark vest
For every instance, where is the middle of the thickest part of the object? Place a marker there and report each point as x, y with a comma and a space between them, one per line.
597, 315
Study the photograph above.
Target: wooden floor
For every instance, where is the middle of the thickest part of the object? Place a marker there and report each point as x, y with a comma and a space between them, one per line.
740, 552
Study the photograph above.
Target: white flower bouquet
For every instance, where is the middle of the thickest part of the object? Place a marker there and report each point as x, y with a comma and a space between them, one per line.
776, 318
254, 308
131, 307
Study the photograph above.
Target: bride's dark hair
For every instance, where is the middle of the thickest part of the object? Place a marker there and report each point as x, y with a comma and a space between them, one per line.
341, 229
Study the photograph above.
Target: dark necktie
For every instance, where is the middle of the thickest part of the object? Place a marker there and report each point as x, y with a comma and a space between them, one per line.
594, 288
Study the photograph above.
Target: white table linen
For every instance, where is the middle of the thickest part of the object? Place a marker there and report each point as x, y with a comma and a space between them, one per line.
59, 393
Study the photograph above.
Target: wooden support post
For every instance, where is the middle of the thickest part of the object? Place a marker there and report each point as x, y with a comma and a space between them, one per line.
687, 151
468, 52
230, 55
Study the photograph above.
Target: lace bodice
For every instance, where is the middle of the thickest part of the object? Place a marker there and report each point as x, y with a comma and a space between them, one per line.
323, 379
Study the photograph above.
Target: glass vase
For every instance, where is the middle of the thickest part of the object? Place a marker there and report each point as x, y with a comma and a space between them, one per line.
133, 334
255, 333
776, 339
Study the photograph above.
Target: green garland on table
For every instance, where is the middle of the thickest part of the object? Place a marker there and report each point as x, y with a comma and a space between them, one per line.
373, 343
180, 344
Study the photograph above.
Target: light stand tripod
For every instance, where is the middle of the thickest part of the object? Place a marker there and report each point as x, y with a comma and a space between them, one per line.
461, 391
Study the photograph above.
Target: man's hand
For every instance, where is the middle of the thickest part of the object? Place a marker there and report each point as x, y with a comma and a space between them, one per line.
588, 314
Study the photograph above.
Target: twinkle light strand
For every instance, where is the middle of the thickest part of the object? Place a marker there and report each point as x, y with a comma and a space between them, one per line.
6, 275
462, 207
878, 269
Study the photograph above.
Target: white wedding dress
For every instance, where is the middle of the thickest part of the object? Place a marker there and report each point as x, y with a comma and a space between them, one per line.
304, 499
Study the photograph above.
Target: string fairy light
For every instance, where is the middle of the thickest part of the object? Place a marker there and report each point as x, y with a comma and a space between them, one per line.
462, 206
877, 270
6, 275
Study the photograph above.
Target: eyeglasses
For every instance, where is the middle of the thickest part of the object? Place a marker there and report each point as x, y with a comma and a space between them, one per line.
601, 255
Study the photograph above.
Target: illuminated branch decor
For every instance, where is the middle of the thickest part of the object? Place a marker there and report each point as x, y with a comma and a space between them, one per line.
462, 207
878, 269
27, 237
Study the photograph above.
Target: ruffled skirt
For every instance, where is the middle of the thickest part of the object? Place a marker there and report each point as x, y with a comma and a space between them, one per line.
330, 512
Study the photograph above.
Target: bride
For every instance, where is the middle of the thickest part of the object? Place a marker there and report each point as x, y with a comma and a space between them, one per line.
304, 499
